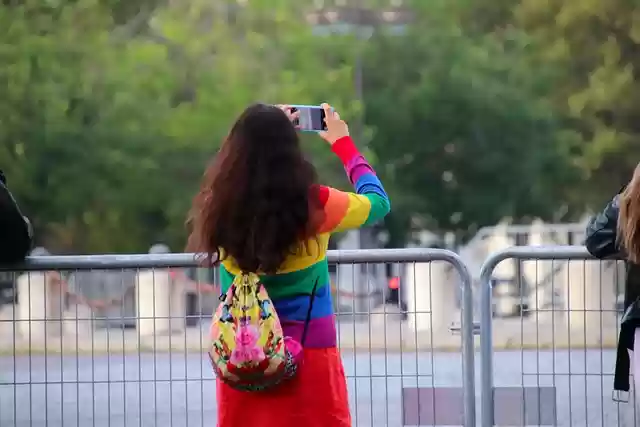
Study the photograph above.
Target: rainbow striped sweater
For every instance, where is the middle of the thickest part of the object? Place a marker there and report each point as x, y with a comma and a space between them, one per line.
291, 288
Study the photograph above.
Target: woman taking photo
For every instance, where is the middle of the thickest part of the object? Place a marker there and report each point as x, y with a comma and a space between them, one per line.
260, 209
615, 232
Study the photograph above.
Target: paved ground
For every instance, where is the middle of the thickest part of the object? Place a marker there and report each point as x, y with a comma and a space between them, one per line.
176, 390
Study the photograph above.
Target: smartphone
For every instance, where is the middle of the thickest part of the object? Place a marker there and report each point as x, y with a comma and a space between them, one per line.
311, 118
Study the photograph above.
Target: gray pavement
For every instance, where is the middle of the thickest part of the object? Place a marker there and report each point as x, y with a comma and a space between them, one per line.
177, 390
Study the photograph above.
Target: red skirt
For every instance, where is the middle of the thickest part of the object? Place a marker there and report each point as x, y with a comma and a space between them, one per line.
315, 397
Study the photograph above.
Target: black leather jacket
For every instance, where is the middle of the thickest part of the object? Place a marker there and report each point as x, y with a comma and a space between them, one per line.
15, 230
602, 242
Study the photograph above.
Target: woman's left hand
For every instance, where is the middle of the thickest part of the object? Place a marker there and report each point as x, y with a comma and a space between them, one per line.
287, 110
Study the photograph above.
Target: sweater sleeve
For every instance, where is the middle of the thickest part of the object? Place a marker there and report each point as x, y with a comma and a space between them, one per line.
347, 210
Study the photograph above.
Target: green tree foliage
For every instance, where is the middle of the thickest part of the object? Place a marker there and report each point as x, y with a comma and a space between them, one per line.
109, 109
597, 44
466, 133
104, 138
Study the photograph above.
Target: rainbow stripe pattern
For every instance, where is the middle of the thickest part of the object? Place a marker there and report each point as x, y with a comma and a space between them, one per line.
290, 289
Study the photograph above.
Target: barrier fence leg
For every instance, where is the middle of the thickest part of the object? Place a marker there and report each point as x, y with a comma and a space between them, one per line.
486, 348
468, 348
432, 298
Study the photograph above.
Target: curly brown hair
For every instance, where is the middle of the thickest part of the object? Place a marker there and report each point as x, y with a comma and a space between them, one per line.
258, 201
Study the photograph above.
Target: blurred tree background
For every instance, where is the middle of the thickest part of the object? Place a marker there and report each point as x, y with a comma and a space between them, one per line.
471, 110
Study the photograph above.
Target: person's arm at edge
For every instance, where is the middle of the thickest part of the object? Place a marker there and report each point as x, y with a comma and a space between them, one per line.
15, 229
602, 231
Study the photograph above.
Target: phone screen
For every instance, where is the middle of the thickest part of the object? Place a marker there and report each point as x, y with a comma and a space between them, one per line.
311, 118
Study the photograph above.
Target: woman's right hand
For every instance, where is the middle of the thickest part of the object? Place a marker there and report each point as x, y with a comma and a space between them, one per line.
336, 128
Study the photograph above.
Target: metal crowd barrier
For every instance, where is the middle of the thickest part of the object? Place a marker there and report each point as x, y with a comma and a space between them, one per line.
553, 363
72, 356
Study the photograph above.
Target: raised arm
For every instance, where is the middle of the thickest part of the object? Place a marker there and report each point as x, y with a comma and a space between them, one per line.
369, 203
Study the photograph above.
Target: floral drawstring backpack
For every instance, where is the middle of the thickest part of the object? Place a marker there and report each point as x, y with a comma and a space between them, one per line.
249, 351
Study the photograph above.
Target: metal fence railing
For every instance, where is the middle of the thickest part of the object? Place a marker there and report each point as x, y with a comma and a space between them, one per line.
553, 364
111, 340
118, 340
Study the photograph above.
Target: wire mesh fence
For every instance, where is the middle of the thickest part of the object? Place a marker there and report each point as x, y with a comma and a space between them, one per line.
119, 340
553, 362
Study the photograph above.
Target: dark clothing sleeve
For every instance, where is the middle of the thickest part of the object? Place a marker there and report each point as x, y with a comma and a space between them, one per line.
15, 231
602, 239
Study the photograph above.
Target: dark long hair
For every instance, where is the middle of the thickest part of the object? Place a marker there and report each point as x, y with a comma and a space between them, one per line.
257, 203
629, 218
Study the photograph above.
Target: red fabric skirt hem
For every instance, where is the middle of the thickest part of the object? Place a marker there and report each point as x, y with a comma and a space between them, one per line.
315, 397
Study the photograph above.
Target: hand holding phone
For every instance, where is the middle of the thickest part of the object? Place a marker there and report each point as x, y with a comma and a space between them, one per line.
322, 119
310, 118
335, 127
